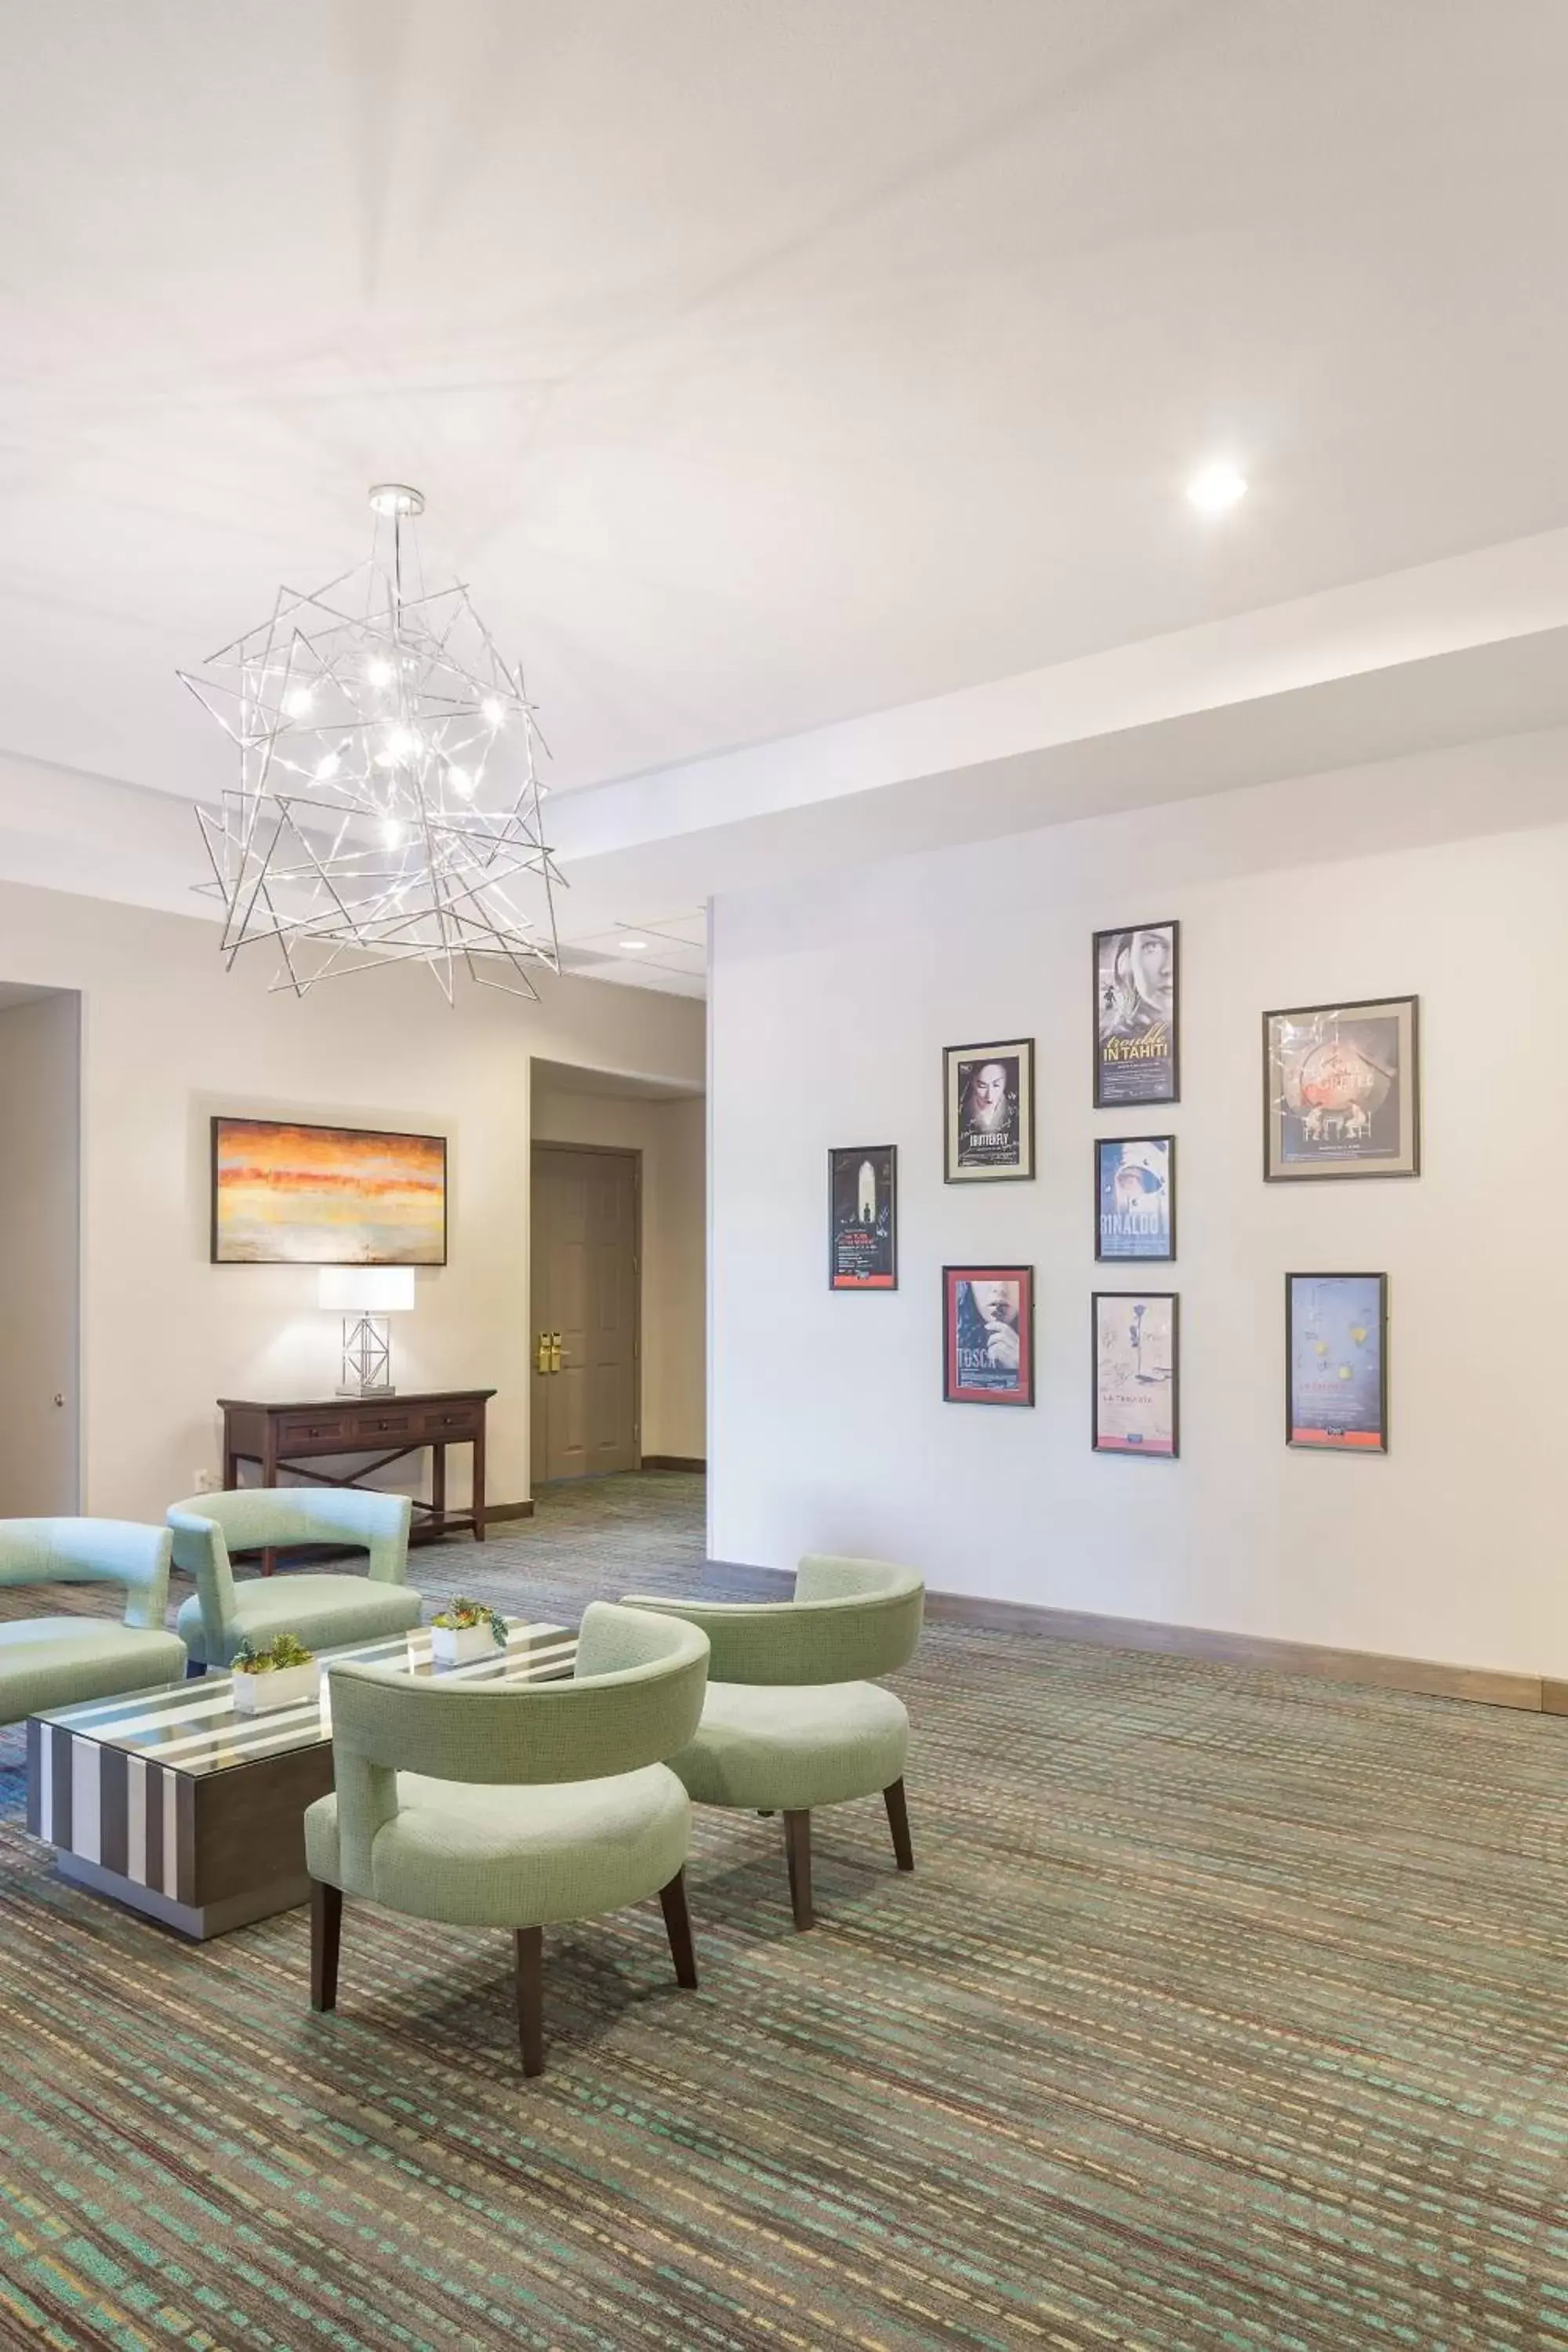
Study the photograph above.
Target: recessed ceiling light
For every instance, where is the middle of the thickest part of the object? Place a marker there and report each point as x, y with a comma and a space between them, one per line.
1215, 487
633, 943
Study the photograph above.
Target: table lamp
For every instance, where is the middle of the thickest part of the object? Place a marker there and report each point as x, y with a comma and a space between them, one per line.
365, 1295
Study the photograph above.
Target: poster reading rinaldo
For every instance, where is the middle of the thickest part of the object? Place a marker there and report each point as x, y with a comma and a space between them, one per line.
1135, 984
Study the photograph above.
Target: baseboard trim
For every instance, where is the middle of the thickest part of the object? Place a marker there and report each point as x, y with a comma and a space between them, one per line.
508, 1511
1426, 1677
673, 1462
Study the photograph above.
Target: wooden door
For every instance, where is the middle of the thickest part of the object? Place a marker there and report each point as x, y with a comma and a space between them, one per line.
585, 1336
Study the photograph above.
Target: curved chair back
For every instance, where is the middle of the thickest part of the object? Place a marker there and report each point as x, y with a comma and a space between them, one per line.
850, 1621
93, 1552
208, 1528
635, 1699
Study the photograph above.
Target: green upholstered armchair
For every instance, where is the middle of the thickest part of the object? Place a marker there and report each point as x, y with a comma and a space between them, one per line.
518, 1806
792, 1719
322, 1609
63, 1661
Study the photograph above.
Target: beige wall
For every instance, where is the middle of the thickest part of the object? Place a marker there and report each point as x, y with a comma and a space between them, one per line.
168, 1039
671, 1137
39, 1468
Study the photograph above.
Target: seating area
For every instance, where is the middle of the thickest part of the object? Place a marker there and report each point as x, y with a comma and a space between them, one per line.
784, 852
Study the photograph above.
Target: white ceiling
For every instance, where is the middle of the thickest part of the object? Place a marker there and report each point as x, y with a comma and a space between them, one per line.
763, 366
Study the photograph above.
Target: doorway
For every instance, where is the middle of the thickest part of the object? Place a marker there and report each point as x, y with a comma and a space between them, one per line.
41, 1098
586, 1253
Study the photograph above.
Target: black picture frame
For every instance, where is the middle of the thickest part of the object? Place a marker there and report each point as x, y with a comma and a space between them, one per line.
1125, 1449
1165, 1069
841, 1157
1340, 1163
1357, 1442
954, 1058
955, 1389
1103, 1256
222, 1120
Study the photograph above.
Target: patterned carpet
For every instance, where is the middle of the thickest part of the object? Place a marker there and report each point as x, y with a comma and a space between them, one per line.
1224, 2009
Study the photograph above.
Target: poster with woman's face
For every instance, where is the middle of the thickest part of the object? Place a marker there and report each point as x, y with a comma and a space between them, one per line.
990, 1111
1135, 984
988, 1314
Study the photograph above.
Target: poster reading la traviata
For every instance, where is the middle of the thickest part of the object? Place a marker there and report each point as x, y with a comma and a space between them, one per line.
990, 1111
862, 1186
1135, 1187
1135, 1373
1336, 1352
1135, 1013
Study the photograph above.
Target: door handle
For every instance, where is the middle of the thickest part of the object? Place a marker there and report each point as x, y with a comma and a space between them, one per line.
541, 1353
555, 1355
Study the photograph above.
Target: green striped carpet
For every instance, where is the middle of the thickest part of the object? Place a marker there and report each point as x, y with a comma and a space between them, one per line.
1224, 2009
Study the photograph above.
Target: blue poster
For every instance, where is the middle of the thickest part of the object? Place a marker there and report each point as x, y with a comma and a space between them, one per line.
1136, 1176
1336, 1340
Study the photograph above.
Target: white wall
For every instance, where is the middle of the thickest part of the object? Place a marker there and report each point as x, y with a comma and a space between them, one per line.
168, 1039
39, 1247
672, 1140
831, 1007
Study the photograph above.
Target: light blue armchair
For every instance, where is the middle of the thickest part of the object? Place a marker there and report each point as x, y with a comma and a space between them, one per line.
323, 1611
513, 1808
48, 1661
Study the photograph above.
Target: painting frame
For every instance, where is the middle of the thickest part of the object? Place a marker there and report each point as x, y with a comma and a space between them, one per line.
1103, 1256
222, 1123
1129, 1097
1126, 1450
955, 1389
1341, 1165
954, 1060
844, 1155
1356, 1442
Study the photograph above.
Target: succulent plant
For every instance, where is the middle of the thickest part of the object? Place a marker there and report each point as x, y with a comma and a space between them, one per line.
459, 1613
275, 1657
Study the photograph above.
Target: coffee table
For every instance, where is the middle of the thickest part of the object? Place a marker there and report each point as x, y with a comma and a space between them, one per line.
171, 1801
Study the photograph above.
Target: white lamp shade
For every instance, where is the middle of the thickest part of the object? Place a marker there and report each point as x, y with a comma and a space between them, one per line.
365, 1289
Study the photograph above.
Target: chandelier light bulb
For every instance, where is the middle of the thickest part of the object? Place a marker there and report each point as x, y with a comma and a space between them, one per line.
401, 741
298, 701
492, 712
327, 767
379, 672
392, 833
459, 780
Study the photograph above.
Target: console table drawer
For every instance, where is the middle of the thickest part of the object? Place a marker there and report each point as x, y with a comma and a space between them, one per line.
381, 1424
455, 1421
316, 1429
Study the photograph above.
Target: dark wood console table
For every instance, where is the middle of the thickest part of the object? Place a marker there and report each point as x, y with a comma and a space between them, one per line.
286, 1436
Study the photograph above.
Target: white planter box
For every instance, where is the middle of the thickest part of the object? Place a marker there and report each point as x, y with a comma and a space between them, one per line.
259, 1693
455, 1645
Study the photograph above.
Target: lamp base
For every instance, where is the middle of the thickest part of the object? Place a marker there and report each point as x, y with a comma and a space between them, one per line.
353, 1389
367, 1358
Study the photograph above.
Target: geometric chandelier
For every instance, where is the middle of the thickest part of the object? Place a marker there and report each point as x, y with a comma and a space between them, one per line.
388, 803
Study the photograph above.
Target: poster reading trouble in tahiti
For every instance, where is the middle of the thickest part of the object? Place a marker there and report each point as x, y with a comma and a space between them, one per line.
1336, 1362
863, 1217
1136, 1373
989, 1093
1135, 1015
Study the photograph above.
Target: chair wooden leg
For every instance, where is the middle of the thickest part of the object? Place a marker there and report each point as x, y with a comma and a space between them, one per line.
326, 1936
678, 1927
797, 1852
898, 1822
530, 1998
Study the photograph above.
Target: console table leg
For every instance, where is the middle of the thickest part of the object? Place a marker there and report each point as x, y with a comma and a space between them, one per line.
479, 1501
438, 1488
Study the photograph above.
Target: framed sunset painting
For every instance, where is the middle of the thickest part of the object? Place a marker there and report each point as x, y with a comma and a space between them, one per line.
288, 1194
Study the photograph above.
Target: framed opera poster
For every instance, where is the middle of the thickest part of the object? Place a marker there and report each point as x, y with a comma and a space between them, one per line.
1341, 1090
1336, 1362
989, 1118
1135, 1196
1136, 1016
863, 1217
1136, 1373
988, 1334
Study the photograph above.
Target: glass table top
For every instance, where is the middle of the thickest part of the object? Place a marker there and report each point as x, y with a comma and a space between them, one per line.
195, 1727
